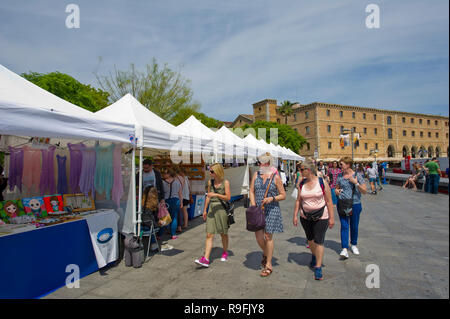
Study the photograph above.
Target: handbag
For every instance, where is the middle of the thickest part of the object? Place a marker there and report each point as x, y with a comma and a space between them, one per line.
255, 214
166, 220
229, 207
345, 206
163, 210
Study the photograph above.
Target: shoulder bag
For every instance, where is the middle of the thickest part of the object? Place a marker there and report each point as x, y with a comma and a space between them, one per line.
317, 214
345, 206
229, 207
255, 214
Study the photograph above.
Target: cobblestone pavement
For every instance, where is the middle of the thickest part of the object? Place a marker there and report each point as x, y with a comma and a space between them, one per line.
404, 233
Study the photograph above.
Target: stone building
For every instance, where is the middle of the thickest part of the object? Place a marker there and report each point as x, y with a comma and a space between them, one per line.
388, 135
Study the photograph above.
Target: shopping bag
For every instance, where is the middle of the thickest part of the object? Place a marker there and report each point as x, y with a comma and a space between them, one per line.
295, 193
163, 210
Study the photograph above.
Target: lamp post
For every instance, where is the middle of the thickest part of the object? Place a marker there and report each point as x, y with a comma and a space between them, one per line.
351, 136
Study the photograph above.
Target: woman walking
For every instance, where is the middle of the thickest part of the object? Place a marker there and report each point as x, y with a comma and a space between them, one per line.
173, 197
372, 173
316, 213
349, 186
216, 218
333, 174
262, 180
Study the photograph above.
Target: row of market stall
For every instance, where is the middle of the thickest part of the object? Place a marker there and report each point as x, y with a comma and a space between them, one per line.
33, 119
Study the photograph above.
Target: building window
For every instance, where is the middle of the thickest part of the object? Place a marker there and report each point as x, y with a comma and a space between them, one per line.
295, 117
428, 122
365, 130
420, 121
278, 121
342, 129
446, 135
374, 117
404, 133
306, 115
353, 115
421, 134
413, 133
436, 123
429, 134
328, 113
390, 133
329, 145
412, 120
375, 131
364, 116
329, 128
376, 146
307, 129
403, 119
341, 114
259, 109
308, 147
389, 120
437, 134
365, 146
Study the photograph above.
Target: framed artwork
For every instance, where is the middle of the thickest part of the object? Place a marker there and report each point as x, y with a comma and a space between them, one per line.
10, 210
35, 206
79, 202
54, 204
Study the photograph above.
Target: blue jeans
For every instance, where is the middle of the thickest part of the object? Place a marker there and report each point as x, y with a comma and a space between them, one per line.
353, 222
434, 183
174, 210
427, 184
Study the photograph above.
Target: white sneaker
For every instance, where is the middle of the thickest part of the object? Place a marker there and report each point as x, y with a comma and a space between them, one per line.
355, 250
344, 253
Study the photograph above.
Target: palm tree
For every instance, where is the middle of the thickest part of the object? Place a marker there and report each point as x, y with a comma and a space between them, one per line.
286, 110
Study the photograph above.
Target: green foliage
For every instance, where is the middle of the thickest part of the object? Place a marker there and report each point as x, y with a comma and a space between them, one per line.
287, 136
163, 91
286, 110
183, 115
69, 89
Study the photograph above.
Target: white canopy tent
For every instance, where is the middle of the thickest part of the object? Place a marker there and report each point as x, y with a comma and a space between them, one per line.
28, 110
241, 148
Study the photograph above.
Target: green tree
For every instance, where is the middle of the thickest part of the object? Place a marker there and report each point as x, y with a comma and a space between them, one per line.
286, 110
163, 91
69, 89
287, 136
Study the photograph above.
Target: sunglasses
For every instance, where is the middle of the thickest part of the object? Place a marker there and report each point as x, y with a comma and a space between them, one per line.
211, 171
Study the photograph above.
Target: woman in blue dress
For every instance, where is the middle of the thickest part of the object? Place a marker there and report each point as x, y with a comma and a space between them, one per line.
272, 212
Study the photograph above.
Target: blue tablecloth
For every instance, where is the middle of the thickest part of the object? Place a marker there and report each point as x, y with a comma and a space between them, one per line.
33, 264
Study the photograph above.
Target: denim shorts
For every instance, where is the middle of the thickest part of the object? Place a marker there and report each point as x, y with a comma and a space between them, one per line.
372, 180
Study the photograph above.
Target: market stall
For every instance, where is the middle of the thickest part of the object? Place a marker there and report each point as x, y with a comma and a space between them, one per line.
67, 193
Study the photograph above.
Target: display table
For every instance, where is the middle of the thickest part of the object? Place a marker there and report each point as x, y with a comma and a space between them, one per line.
33, 263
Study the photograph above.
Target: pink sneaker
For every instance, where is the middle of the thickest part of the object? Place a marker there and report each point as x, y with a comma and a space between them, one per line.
224, 256
202, 261
174, 237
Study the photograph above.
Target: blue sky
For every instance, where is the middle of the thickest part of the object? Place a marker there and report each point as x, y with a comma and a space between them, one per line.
239, 52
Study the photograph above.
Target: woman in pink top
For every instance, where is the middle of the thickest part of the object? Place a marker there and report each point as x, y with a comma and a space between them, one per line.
316, 212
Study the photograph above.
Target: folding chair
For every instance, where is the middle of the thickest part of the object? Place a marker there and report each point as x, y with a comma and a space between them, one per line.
149, 232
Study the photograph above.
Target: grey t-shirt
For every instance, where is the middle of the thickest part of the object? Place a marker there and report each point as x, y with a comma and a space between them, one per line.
176, 186
347, 187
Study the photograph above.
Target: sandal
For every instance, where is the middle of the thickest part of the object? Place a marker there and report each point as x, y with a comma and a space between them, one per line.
264, 261
266, 272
